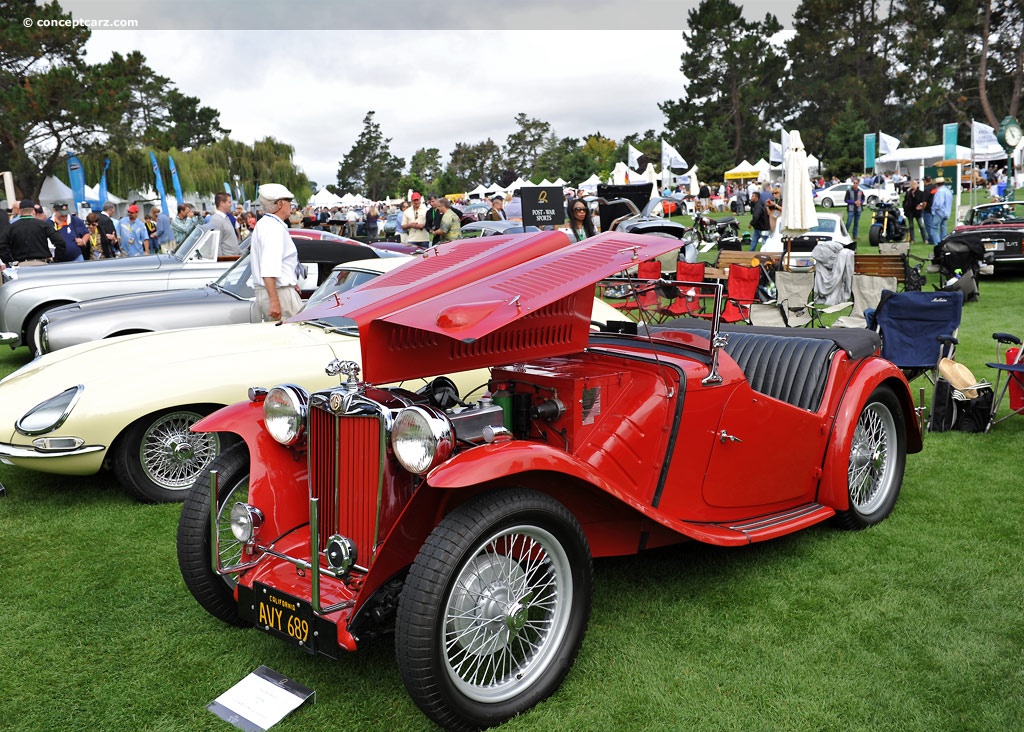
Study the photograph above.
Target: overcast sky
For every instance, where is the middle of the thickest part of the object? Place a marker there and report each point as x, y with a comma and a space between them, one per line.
269, 73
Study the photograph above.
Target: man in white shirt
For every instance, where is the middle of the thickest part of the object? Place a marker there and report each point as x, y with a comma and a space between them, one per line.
414, 220
275, 262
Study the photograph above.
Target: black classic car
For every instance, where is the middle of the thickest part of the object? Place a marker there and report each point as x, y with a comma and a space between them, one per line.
997, 227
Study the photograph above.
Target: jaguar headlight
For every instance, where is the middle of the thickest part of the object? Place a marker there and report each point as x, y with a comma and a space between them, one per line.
50, 414
245, 520
422, 438
284, 413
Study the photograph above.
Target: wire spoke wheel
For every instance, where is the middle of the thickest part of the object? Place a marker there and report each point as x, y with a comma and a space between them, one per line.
871, 469
507, 613
171, 456
877, 459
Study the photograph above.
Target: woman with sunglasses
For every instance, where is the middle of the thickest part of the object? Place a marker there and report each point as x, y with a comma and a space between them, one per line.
580, 224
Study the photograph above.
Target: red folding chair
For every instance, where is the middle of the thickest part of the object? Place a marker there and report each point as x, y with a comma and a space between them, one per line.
741, 293
642, 296
1008, 364
687, 302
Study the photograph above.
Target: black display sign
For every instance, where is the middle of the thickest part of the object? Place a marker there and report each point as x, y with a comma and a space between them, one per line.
542, 206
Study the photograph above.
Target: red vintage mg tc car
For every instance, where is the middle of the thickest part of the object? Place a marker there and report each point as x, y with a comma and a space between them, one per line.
466, 528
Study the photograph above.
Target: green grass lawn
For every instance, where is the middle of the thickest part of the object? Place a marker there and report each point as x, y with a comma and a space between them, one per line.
915, 624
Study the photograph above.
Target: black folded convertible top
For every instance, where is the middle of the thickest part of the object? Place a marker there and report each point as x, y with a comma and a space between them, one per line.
857, 342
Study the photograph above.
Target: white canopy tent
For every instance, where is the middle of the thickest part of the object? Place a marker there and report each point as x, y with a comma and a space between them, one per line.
590, 184
763, 168
479, 192
323, 198
914, 159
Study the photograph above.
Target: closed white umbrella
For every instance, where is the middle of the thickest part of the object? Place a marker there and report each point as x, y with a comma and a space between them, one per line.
798, 214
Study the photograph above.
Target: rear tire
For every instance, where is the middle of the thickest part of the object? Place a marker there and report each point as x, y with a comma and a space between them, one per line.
195, 555
878, 456
826, 203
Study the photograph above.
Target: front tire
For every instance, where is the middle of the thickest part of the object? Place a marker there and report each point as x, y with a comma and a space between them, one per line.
158, 458
875, 234
195, 555
494, 609
878, 456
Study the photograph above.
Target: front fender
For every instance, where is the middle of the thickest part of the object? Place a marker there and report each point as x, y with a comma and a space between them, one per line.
277, 474
874, 373
500, 459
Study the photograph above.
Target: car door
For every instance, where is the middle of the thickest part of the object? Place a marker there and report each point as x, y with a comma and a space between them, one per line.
766, 452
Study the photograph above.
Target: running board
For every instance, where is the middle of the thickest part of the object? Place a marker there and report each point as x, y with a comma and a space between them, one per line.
761, 528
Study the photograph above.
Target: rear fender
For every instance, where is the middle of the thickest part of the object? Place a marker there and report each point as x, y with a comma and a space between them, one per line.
874, 373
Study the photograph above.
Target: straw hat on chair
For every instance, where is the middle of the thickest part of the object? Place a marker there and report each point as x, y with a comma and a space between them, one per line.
959, 377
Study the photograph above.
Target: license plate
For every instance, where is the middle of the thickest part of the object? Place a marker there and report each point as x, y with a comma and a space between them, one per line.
995, 246
284, 616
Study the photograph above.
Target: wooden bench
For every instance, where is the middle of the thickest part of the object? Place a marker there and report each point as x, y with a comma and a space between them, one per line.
729, 257
880, 265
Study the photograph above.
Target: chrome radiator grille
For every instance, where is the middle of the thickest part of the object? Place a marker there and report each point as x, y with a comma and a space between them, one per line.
345, 473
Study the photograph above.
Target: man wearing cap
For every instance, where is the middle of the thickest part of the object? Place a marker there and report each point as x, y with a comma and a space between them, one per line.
29, 239
414, 220
73, 231
220, 222
497, 212
275, 261
132, 233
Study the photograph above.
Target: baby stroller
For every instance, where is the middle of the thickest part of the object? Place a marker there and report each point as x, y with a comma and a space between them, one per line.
959, 265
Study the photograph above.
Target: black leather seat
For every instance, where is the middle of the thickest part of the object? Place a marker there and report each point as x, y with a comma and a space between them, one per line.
790, 369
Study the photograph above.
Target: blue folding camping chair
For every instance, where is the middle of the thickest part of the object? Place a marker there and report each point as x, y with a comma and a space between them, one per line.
918, 329
1013, 371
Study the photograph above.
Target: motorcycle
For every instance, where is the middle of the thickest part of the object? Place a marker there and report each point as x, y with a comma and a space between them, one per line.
724, 233
888, 224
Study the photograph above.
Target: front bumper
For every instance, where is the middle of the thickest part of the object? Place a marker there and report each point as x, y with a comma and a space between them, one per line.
84, 460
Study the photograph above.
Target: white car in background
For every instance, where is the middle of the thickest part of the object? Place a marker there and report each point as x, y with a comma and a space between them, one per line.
835, 195
830, 227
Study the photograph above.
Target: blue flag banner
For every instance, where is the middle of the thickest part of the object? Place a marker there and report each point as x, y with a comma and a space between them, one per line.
76, 177
239, 193
949, 140
159, 182
175, 181
869, 151
102, 192
227, 188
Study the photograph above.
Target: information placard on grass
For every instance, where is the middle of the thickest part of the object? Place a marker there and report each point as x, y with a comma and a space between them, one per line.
260, 700
542, 206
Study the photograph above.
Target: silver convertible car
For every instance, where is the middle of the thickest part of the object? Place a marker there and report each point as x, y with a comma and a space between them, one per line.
229, 299
33, 291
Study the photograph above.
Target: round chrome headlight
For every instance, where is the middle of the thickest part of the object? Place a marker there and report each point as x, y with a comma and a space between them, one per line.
245, 520
49, 415
284, 413
422, 438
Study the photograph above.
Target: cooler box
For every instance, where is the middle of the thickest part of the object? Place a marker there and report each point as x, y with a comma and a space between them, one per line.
1016, 390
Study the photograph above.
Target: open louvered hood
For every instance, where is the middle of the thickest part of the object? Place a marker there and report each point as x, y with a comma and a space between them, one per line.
474, 303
